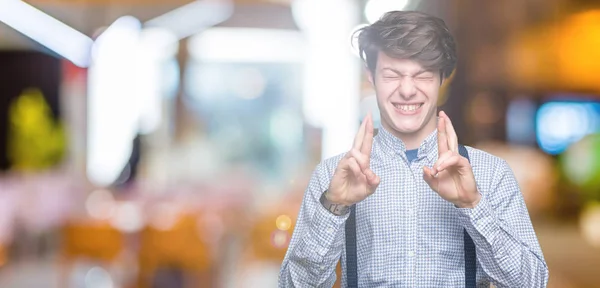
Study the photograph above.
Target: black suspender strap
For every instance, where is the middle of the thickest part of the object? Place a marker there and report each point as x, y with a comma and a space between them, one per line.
469, 246
351, 261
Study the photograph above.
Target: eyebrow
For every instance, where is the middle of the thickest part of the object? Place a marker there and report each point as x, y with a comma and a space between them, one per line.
400, 73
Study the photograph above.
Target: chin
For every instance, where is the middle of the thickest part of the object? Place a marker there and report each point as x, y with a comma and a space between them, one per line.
407, 128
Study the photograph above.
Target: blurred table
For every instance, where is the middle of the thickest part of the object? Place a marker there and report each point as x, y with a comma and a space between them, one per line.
572, 262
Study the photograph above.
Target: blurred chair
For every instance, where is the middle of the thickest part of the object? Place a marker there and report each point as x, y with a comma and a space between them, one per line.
267, 242
178, 249
264, 246
89, 240
272, 228
3, 256
267, 245
338, 272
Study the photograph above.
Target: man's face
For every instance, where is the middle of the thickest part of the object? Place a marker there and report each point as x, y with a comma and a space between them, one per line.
407, 94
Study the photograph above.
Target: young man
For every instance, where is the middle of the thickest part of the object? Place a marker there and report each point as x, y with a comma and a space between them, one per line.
421, 211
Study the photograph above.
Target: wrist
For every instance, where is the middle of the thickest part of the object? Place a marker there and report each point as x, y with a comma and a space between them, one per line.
333, 198
333, 206
469, 204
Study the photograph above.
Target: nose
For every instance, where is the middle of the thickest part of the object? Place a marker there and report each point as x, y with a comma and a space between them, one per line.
408, 88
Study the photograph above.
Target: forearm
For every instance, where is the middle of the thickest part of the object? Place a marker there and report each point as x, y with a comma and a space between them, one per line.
314, 253
509, 259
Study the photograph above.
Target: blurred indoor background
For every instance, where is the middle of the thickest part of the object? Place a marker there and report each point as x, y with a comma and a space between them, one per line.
167, 143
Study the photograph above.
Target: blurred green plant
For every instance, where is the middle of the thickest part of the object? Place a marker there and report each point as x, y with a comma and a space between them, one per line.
580, 164
35, 140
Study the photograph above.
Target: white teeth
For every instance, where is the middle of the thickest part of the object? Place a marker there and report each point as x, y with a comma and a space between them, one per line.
407, 107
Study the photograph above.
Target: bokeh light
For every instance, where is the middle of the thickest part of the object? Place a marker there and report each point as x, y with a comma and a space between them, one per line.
128, 217
164, 216
283, 222
482, 109
590, 224
559, 124
251, 83
100, 204
97, 277
581, 163
280, 239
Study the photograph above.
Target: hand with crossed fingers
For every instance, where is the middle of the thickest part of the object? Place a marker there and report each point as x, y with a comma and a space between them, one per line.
353, 179
451, 176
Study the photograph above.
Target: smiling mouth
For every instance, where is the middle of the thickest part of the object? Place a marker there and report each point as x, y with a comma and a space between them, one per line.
408, 107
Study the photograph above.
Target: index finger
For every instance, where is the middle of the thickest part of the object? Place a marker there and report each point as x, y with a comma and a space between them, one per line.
368, 138
451, 134
442, 136
360, 135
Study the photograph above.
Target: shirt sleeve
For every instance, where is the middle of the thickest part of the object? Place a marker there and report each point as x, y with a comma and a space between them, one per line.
506, 243
317, 241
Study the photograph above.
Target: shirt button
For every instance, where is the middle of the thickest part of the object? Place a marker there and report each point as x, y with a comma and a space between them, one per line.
411, 254
329, 230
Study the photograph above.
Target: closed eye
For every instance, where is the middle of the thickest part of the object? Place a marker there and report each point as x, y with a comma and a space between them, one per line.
391, 78
424, 78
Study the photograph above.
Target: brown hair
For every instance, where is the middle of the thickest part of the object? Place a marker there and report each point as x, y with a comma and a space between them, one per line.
409, 35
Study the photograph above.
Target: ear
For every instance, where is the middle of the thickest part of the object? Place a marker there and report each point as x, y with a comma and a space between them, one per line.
447, 78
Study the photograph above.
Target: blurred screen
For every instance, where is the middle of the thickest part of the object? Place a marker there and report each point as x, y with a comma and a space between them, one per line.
254, 110
565, 120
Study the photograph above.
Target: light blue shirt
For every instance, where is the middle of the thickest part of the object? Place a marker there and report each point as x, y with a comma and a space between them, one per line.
408, 236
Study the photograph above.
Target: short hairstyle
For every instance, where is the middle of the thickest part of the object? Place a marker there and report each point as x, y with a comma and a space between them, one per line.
409, 35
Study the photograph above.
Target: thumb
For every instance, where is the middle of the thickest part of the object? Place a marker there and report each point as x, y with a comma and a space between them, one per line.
428, 177
372, 180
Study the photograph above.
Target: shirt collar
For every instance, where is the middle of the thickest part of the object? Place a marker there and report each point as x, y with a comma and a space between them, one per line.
394, 145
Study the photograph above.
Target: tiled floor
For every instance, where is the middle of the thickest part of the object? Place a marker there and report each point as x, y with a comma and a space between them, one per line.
572, 262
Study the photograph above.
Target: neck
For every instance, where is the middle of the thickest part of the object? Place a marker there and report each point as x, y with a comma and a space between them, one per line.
413, 140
